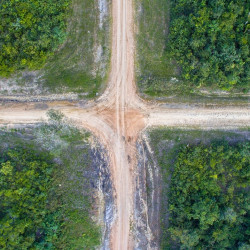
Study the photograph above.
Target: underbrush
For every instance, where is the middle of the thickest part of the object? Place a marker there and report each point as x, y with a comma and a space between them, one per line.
205, 181
46, 188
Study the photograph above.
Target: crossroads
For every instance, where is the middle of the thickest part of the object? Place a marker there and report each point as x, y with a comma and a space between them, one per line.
119, 116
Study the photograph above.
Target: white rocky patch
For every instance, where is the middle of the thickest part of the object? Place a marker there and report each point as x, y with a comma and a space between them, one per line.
103, 11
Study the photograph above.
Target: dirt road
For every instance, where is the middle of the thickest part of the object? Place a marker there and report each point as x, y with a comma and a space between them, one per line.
119, 115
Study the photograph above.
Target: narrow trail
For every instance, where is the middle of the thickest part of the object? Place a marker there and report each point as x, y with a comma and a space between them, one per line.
119, 115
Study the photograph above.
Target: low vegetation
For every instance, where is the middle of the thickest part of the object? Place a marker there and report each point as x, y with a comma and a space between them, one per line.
82, 63
29, 32
154, 69
46, 200
205, 182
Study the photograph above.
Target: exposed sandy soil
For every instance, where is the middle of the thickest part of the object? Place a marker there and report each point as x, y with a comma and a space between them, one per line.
119, 115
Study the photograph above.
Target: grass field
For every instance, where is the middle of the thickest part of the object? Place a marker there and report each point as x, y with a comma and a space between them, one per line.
156, 74
166, 144
81, 64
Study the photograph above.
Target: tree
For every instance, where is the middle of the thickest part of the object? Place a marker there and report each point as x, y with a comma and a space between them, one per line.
25, 178
208, 199
209, 40
30, 31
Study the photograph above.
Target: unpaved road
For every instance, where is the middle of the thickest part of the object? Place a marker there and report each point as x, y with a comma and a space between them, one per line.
119, 115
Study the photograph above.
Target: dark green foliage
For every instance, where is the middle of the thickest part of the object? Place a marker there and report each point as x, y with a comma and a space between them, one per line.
209, 197
209, 40
25, 181
43, 204
30, 31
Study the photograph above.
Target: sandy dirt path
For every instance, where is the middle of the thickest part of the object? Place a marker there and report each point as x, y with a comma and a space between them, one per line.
103, 122
119, 115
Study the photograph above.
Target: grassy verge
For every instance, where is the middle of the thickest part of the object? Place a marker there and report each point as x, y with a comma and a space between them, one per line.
70, 193
81, 63
167, 144
157, 75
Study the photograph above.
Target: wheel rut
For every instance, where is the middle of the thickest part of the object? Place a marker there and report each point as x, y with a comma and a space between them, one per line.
118, 117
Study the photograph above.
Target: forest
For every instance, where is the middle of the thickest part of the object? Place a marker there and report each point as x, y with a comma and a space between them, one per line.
209, 197
30, 30
209, 39
45, 200
25, 182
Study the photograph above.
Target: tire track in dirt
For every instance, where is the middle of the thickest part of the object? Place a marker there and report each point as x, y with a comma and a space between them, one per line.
119, 115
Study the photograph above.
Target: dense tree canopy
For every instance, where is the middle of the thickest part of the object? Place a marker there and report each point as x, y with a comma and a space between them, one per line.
209, 197
25, 222
29, 31
209, 40
43, 204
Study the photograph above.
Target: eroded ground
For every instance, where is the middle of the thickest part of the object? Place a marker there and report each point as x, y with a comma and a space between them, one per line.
118, 117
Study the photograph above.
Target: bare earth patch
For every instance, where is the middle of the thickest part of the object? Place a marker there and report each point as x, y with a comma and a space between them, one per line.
118, 117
